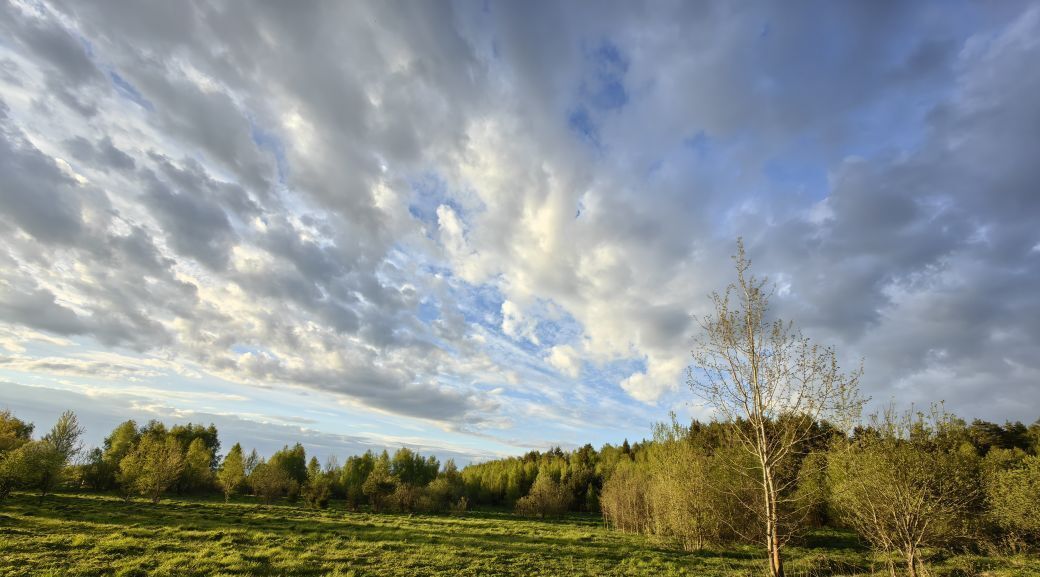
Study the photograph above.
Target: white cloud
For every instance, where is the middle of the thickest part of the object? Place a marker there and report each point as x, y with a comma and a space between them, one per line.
661, 377
566, 360
255, 216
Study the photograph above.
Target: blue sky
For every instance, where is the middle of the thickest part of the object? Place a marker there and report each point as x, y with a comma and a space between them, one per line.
477, 228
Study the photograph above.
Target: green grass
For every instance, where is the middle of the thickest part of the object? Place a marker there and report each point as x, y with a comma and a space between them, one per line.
79, 534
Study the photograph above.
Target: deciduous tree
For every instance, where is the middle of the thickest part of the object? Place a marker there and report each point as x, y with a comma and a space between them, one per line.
14, 433
153, 465
777, 384
196, 474
232, 472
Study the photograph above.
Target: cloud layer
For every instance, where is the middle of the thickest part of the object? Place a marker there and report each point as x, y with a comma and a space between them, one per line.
500, 219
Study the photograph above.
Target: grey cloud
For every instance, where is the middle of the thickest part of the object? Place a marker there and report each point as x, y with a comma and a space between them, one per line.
195, 226
213, 119
45, 202
193, 177
113, 320
927, 265
40, 310
71, 72
336, 284
49, 40
36, 196
102, 153
310, 259
395, 390
138, 249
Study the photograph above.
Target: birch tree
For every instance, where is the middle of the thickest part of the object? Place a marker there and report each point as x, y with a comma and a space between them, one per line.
775, 386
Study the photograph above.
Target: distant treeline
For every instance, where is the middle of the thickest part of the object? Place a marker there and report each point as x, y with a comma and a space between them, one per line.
153, 460
964, 483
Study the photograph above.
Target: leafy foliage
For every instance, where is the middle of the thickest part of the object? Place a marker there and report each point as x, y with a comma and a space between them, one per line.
232, 472
152, 466
907, 485
548, 498
1012, 492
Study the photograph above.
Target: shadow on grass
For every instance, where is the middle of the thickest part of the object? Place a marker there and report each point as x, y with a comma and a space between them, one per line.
498, 536
489, 533
833, 540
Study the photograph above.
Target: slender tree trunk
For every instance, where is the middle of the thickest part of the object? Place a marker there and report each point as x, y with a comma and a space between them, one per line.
776, 565
911, 562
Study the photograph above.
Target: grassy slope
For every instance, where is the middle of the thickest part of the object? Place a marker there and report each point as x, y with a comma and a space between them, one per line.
92, 535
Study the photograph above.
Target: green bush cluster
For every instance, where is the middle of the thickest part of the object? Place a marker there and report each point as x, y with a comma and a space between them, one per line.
912, 485
39, 465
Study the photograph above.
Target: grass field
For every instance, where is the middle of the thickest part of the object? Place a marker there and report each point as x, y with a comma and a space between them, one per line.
74, 534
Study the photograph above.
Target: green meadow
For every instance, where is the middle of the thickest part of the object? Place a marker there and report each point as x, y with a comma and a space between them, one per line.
80, 534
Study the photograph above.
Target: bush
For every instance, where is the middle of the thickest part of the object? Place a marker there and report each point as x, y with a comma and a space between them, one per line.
97, 473
1012, 498
380, 485
196, 475
548, 498
445, 492
269, 482
152, 467
905, 486
35, 465
352, 478
14, 433
460, 506
317, 491
232, 471
681, 497
681, 492
409, 499
624, 499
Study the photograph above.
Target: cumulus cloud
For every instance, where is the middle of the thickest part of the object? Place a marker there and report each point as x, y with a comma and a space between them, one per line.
566, 360
491, 218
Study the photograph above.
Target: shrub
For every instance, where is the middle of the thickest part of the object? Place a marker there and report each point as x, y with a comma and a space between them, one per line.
317, 491
380, 484
906, 486
681, 497
14, 433
547, 498
196, 475
409, 499
35, 465
624, 499
152, 467
1012, 498
269, 481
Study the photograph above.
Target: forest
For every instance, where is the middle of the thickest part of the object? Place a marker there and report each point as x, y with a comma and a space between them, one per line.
911, 485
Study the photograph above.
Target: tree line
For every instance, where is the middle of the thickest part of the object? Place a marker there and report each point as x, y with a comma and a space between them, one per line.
153, 460
906, 482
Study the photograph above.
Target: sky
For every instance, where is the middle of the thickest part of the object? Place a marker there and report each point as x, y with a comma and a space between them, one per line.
479, 228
